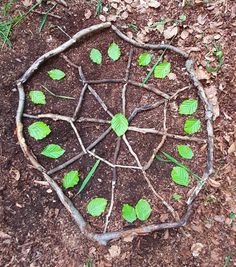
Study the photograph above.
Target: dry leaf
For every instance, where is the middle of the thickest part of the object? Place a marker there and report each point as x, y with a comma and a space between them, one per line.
4, 235
232, 148
214, 183
196, 249
170, 32
128, 238
202, 74
211, 93
201, 19
15, 173
114, 251
184, 34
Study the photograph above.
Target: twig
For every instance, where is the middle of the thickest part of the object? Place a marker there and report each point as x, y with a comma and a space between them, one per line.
127, 72
72, 160
150, 88
163, 139
149, 46
62, 48
52, 116
78, 107
178, 91
66, 34
111, 164
49, 14
104, 81
144, 108
210, 134
174, 136
78, 137
168, 206
59, 96
113, 184
81, 119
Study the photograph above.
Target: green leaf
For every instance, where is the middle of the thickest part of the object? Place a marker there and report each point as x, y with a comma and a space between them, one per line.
119, 124
180, 176
185, 151
96, 206
96, 56
53, 151
70, 179
114, 51
192, 126
232, 215
37, 97
39, 130
162, 70
176, 197
56, 74
143, 210
182, 17
188, 107
128, 213
88, 177
144, 59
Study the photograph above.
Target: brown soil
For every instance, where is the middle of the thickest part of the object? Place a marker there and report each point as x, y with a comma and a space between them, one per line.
41, 232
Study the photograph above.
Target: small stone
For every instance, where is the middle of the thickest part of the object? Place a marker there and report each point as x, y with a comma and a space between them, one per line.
88, 14
102, 18
172, 76
114, 251
130, 35
128, 1
154, 4
170, 32
196, 249
124, 15
111, 18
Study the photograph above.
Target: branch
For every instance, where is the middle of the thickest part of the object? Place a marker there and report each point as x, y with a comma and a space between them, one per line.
149, 46
113, 183
52, 116
78, 107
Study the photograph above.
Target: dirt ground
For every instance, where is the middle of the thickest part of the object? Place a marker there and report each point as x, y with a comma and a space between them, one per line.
36, 230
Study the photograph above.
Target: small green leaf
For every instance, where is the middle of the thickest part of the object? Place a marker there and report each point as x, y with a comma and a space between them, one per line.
88, 177
162, 70
192, 126
39, 130
71, 179
56, 74
144, 59
128, 213
188, 107
182, 17
143, 210
180, 176
114, 51
232, 215
96, 56
185, 151
37, 97
96, 206
53, 151
176, 197
119, 124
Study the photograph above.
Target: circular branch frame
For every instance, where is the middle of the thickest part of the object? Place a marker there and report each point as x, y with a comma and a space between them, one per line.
84, 227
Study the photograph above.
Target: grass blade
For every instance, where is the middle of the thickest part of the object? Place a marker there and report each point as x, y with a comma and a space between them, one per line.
58, 96
176, 162
89, 176
45, 18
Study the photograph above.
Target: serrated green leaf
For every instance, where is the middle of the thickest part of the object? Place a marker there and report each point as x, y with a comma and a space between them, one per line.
188, 107
37, 97
88, 177
96, 56
182, 17
185, 151
70, 179
96, 206
128, 213
162, 70
180, 176
176, 197
114, 51
144, 59
119, 124
39, 130
143, 210
56, 74
192, 126
232, 215
53, 151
